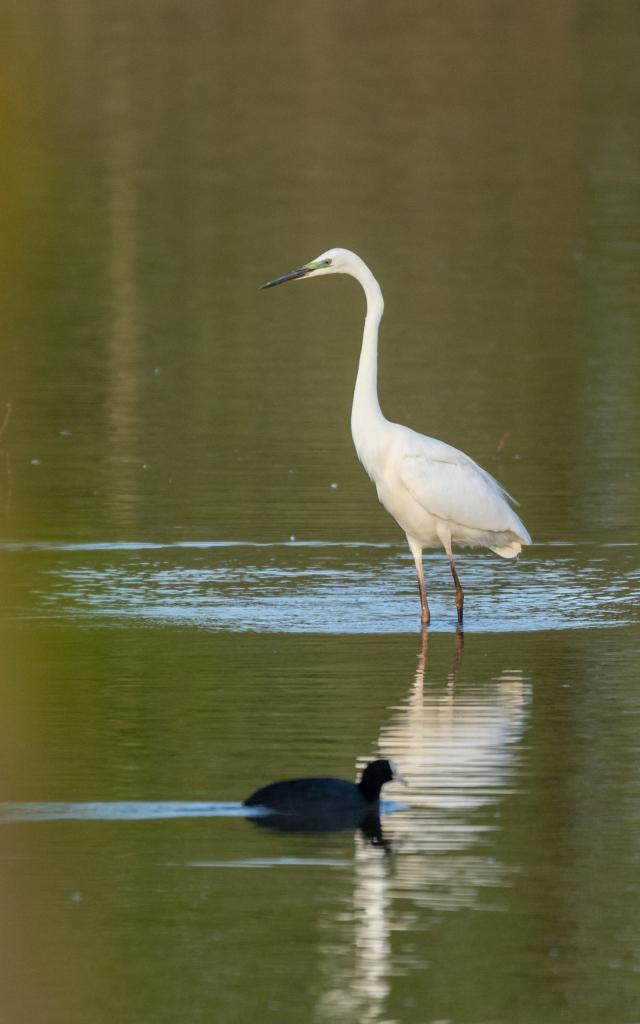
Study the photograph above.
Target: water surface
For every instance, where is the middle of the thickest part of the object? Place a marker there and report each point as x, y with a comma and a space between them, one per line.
323, 587
200, 592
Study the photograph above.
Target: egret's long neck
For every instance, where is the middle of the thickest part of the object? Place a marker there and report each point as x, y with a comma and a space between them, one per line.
365, 411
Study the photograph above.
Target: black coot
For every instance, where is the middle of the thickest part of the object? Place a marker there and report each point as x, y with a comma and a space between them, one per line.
327, 798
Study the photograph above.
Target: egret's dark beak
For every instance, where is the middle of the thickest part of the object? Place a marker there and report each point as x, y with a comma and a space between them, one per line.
291, 276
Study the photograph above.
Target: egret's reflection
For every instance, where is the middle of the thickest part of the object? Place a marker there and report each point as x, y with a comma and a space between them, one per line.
421, 659
456, 742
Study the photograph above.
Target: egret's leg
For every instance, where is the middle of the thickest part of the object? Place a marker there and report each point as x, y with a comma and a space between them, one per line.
444, 533
425, 614
416, 551
456, 580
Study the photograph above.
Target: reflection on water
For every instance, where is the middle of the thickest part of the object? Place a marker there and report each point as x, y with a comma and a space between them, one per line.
270, 862
458, 748
357, 972
328, 587
494, 851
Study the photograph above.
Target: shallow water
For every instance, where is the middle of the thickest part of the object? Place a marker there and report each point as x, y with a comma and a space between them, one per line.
200, 592
325, 587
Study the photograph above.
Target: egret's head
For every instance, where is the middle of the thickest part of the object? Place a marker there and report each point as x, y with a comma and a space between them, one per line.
333, 261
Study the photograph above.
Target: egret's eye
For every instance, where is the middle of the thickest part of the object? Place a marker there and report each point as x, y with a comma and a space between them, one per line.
326, 263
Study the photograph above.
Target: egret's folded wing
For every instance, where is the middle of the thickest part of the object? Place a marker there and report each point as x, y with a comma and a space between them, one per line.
459, 492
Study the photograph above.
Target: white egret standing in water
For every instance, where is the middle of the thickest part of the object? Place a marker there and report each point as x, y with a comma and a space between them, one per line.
437, 494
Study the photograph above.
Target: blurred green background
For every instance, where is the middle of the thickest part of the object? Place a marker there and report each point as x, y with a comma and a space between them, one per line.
163, 160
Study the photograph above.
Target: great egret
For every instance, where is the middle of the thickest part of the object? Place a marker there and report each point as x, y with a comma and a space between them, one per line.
437, 494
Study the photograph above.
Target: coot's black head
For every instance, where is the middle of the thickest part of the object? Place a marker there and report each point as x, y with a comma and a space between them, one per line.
374, 777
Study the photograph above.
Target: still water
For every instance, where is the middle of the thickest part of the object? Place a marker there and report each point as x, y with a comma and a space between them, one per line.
200, 591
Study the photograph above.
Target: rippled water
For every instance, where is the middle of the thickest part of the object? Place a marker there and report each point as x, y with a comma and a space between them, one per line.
328, 587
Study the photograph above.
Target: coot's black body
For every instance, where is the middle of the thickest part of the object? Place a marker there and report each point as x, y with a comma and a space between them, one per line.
367, 821
328, 798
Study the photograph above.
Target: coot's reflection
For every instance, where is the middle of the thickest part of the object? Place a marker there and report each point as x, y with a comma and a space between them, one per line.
369, 825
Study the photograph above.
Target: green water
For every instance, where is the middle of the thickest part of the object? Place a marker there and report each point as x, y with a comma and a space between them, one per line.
200, 591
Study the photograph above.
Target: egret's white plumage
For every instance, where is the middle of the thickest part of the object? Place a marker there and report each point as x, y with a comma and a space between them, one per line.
437, 494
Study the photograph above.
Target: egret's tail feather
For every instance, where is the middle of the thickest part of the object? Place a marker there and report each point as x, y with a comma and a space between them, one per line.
511, 546
511, 550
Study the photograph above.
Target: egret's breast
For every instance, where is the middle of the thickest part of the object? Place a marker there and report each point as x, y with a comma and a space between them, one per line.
380, 452
415, 520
